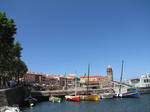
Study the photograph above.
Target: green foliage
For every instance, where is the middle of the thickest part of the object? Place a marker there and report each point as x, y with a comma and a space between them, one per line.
10, 52
17, 50
76, 79
19, 69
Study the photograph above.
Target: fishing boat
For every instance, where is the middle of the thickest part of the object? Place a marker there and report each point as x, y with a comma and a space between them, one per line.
74, 97
106, 95
133, 94
14, 108
88, 97
128, 94
91, 97
30, 101
55, 99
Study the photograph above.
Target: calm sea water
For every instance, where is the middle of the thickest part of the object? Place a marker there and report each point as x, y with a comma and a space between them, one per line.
141, 104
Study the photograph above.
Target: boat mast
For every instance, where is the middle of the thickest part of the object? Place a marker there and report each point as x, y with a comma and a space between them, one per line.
88, 78
75, 84
121, 76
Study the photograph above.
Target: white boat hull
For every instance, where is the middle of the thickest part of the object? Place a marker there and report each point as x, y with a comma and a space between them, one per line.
106, 95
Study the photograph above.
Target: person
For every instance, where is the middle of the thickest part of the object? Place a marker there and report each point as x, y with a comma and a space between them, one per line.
8, 84
3, 84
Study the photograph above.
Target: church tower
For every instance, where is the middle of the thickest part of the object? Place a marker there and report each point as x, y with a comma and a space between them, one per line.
109, 73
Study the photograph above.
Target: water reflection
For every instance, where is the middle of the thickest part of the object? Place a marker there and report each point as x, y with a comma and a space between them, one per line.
110, 105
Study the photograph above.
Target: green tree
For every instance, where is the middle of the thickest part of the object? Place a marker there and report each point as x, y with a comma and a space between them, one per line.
7, 30
19, 69
17, 50
76, 79
10, 53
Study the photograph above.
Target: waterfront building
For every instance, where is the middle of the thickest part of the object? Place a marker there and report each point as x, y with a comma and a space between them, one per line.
32, 77
93, 81
65, 81
40, 78
72, 75
70, 82
52, 81
97, 81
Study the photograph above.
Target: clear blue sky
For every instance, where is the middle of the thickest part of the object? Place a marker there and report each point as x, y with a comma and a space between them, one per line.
61, 36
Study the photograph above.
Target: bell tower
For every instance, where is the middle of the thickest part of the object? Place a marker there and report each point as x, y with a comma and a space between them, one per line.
109, 73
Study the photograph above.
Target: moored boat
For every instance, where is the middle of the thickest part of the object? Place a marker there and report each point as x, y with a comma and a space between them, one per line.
87, 96
143, 83
133, 94
30, 101
106, 95
91, 97
128, 94
55, 99
72, 98
14, 108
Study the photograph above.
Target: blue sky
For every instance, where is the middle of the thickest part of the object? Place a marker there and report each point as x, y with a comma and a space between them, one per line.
61, 36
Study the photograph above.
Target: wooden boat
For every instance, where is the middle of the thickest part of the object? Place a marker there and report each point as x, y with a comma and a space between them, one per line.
91, 97
55, 99
130, 94
72, 98
133, 94
14, 108
30, 101
106, 95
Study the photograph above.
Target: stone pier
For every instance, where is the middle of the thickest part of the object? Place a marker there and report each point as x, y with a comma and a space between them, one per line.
11, 96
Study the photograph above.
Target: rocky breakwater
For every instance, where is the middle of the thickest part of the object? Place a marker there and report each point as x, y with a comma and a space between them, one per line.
11, 96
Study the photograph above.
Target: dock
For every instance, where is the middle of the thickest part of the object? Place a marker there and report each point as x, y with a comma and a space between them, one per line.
41, 95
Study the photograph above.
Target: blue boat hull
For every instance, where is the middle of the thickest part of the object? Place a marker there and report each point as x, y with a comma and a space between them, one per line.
133, 94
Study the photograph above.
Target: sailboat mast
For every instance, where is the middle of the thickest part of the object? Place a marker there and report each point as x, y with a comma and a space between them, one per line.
121, 76
75, 84
88, 77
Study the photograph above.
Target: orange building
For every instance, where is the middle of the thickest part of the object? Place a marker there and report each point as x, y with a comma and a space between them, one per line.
34, 77
53, 80
92, 81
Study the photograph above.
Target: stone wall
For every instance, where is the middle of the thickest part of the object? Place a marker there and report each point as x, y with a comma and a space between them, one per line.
11, 96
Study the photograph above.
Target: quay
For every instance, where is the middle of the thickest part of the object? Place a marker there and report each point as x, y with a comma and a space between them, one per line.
63, 92
44, 95
11, 96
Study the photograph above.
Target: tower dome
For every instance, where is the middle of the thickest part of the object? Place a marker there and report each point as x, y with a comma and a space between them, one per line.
109, 66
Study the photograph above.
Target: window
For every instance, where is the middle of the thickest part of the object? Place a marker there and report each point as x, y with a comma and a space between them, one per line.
147, 80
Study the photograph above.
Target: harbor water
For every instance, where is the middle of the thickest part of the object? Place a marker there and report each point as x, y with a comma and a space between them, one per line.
141, 104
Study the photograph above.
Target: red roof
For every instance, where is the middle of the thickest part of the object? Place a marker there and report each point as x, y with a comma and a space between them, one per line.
32, 73
96, 76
